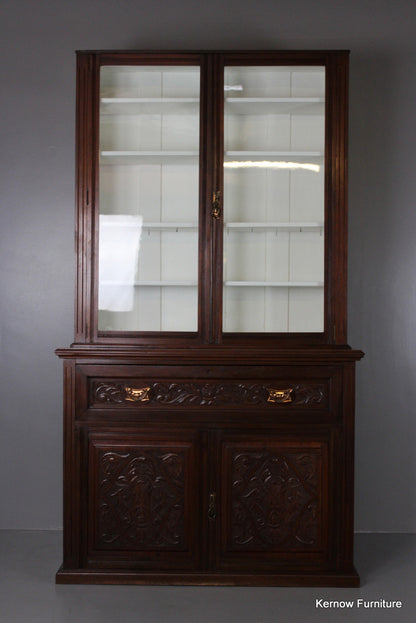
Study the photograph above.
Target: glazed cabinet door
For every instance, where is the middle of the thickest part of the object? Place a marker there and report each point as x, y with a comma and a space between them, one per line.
283, 194
212, 198
142, 499
140, 186
273, 504
274, 198
148, 186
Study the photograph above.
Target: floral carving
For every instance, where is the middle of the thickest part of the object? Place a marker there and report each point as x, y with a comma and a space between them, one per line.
109, 392
313, 394
207, 394
275, 500
141, 499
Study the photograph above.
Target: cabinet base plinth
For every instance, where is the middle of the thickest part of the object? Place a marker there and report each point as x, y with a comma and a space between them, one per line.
93, 576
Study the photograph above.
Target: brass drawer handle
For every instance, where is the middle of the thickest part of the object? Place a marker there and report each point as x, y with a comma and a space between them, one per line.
134, 394
280, 395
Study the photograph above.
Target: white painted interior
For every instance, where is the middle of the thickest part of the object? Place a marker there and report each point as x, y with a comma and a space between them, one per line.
149, 169
267, 116
149, 135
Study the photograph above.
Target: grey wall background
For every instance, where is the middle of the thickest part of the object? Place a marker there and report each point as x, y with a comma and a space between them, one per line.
37, 69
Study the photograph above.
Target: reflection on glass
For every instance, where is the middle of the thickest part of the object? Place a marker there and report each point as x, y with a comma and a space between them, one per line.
274, 199
148, 188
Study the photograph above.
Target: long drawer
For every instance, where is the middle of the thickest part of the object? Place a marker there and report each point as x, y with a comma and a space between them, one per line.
283, 389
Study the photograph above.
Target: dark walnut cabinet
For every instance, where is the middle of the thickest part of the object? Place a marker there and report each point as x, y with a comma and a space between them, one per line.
209, 392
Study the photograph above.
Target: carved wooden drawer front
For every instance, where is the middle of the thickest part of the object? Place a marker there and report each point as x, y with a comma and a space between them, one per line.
144, 392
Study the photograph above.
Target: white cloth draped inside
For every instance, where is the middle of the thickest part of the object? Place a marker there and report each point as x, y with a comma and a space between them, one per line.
119, 246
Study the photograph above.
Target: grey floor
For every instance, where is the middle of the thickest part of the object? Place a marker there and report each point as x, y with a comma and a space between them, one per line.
28, 594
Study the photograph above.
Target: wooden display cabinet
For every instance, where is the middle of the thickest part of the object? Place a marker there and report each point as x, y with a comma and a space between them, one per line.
209, 392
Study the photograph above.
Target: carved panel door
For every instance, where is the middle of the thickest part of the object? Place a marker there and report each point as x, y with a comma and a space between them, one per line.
143, 490
273, 502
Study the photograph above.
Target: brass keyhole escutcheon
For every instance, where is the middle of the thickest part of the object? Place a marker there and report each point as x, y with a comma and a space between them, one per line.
212, 507
216, 205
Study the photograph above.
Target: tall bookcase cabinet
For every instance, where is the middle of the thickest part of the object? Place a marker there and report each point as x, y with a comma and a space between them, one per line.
209, 392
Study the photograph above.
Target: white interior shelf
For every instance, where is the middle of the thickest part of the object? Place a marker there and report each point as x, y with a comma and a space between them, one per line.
148, 157
159, 284
191, 156
275, 284
190, 105
273, 154
159, 226
275, 105
170, 226
149, 105
243, 227
149, 153
264, 227
235, 284
165, 284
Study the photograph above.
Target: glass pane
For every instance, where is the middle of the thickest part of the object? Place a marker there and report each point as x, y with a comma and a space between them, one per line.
274, 199
148, 189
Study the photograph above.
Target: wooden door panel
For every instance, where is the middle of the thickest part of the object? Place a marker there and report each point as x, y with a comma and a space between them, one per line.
274, 501
143, 492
